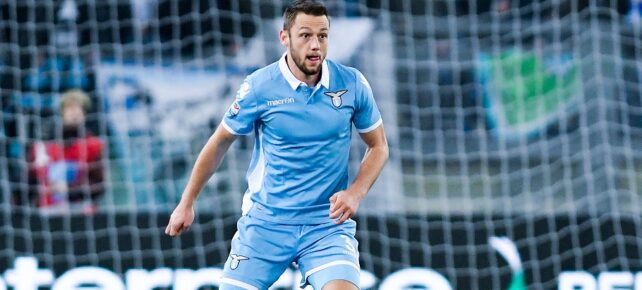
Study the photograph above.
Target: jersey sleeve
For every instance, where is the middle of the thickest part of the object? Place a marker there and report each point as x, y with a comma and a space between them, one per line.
242, 114
367, 116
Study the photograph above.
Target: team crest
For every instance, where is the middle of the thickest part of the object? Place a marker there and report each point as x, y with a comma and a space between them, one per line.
236, 260
336, 97
243, 90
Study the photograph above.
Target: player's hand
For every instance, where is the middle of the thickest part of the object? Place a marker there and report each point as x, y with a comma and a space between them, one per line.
343, 205
180, 220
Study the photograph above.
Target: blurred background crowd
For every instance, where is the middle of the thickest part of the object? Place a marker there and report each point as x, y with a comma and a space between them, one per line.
535, 104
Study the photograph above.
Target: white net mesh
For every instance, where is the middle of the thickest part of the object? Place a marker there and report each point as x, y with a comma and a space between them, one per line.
504, 118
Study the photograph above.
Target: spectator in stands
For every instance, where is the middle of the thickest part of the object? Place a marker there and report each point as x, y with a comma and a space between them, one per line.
64, 65
68, 171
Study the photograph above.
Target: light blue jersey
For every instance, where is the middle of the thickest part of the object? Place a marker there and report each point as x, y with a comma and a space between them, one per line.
303, 138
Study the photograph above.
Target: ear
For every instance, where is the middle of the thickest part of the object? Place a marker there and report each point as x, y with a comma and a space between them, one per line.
284, 37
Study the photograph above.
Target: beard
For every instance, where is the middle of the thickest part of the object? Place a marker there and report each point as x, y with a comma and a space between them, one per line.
299, 61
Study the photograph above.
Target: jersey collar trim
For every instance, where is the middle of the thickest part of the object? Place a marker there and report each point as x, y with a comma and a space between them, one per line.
294, 82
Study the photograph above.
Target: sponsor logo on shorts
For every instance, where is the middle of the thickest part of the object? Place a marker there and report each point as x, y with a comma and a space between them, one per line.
351, 250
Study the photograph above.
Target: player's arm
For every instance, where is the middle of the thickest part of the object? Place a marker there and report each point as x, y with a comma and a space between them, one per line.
206, 164
344, 204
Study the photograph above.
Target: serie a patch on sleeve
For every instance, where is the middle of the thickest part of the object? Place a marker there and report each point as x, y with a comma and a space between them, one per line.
235, 108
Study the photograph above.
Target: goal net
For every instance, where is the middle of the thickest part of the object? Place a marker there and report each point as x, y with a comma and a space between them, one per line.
513, 126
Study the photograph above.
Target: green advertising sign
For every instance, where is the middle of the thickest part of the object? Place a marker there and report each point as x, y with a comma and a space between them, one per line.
524, 92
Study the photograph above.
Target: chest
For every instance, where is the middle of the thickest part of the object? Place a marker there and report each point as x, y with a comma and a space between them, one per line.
305, 115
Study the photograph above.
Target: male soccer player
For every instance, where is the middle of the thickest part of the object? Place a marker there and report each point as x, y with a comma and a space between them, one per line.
298, 204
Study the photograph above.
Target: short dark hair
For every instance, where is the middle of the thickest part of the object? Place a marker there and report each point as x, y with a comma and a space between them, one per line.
309, 7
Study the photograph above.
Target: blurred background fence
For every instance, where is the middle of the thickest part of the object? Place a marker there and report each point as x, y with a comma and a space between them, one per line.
505, 118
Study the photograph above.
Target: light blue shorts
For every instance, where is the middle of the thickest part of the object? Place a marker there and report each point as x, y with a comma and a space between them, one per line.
262, 251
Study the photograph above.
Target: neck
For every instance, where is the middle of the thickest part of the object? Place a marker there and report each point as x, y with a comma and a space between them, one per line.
73, 131
310, 80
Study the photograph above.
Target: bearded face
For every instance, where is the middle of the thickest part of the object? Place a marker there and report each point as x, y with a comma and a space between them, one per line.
307, 42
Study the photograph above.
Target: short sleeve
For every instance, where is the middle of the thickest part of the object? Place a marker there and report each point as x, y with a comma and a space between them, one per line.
240, 117
366, 116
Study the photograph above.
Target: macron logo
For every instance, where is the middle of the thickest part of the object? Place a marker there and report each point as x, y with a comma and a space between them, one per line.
280, 102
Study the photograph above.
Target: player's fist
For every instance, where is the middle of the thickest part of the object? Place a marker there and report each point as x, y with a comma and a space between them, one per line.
343, 205
180, 220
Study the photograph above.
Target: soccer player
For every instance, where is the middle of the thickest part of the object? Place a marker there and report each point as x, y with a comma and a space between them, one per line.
298, 204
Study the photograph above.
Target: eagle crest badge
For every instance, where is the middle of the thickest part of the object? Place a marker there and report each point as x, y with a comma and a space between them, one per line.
336, 97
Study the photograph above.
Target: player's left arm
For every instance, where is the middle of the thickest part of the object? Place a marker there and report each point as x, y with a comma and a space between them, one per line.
344, 204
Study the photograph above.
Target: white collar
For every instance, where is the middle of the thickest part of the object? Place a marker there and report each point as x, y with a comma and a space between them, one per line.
294, 82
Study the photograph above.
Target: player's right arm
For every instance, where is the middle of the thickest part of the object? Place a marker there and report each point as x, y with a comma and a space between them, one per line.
239, 120
206, 164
